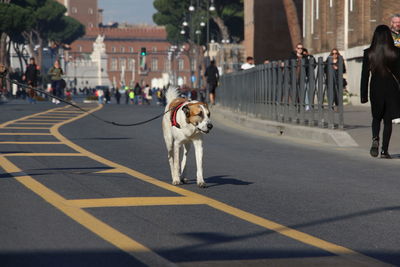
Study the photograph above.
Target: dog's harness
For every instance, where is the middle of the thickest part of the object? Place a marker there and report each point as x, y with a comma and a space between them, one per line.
174, 122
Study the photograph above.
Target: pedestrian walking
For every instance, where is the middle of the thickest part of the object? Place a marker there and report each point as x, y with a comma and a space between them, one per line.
107, 96
31, 77
212, 76
100, 95
138, 93
335, 56
147, 95
117, 95
126, 94
132, 96
382, 61
57, 83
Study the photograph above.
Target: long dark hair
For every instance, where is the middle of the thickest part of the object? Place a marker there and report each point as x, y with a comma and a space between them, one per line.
382, 52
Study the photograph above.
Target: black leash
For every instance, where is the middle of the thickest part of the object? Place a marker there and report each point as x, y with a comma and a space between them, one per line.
78, 107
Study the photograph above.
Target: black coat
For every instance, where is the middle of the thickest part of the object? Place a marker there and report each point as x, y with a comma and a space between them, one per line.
384, 92
212, 74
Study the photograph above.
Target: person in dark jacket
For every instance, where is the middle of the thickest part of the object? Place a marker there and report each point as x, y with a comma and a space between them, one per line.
31, 77
138, 94
212, 75
335, 55
382, 61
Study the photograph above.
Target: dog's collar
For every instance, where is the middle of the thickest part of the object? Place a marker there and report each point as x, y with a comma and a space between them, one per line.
174, 122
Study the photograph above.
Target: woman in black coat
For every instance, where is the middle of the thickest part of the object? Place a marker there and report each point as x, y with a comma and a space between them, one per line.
382, 60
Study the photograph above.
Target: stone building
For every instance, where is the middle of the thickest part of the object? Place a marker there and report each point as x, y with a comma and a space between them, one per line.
85, 11
266, 29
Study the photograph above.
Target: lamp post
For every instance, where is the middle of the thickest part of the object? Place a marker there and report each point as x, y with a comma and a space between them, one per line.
195, 32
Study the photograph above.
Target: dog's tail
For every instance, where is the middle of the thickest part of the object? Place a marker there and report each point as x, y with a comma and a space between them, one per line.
171, 94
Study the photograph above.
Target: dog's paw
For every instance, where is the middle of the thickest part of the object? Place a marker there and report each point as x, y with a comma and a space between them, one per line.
184, 180
177, 182
202, 185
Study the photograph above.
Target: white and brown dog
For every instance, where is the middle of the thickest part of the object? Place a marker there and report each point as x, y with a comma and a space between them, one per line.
184, 124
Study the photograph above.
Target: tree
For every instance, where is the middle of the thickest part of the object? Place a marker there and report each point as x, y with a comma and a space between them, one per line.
226, 21
14, 19
49, 24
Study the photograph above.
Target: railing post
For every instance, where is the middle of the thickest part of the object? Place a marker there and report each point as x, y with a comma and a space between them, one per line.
331, 94
311, 91
320, 77
340, 94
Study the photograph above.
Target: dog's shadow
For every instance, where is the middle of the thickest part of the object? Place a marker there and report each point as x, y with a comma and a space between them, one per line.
224, 180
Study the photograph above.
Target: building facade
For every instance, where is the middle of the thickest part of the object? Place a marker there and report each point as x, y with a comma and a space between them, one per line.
266, 29
123, 47
85, 11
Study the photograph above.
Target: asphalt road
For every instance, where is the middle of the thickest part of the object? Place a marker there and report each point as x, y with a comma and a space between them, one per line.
269, 201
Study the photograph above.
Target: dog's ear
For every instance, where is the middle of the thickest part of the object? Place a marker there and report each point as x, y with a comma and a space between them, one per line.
186, 110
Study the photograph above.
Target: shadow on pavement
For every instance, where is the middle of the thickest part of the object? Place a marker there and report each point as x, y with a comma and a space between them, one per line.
223, 180
68, 258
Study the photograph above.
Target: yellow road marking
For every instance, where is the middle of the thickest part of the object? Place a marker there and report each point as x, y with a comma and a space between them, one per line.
26, 117
68, 112
33, 123
30, 143
43, 155
95, 225
25, 133
110, 171
20, 128
53, 117
133, 201
341, 251
298, 262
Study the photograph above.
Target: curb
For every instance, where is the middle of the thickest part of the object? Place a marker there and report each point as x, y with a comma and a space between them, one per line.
326, 136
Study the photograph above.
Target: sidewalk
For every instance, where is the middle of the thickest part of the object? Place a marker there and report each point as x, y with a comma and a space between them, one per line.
358, 120
357, 131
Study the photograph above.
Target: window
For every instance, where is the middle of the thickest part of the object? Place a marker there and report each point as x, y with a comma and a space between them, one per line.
113, 49
122, 49
79, 48
131, 64
90, 11
154, 49
90, 25
122, 63
114, 64
194, 63
181, 64
131, 49
74, 10
154, 64
167, 65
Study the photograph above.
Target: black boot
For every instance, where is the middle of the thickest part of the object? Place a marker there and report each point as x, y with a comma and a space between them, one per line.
385, 155
374, 151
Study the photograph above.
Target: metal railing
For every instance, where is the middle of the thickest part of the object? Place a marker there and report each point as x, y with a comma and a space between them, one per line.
310, 93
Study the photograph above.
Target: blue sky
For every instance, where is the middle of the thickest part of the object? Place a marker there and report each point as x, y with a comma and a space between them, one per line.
131, 11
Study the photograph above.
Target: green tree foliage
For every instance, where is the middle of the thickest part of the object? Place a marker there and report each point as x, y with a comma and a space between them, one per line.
14, 18
225, 22
66, 31
48, 24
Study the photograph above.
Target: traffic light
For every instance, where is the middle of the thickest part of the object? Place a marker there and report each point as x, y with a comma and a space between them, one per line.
143, 51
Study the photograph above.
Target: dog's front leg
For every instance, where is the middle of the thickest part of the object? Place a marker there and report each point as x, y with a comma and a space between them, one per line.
186, 148
198, 147
175, 171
